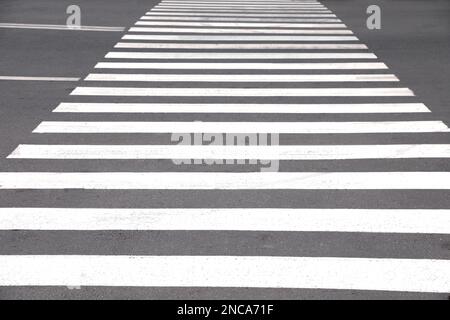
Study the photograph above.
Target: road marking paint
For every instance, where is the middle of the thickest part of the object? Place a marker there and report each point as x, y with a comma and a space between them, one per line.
237, 55
254, 46
21, 78
208, 14
77, 107
411, 275
226, 180
287, 152
60, 27
241, 24
194, 11
240, 92
242, 77
183, 37
242, 5
241, 19
236, 38
426, 221
244, 65
240, 31
238, 127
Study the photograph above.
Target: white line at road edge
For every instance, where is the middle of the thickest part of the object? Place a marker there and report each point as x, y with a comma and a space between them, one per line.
410, 275
60, 27
20, 78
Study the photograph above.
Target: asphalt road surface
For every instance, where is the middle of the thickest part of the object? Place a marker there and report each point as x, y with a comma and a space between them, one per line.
352, 201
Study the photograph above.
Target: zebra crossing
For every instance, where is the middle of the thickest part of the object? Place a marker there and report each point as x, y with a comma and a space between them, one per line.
335, 216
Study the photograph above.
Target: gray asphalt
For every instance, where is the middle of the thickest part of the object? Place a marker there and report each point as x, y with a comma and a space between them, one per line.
413, 42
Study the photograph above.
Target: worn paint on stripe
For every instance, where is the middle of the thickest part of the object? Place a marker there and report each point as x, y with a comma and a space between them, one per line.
22, 78
238, 127
412, 275
427, 221
242, 24
242, 77
226, 180
290, 152
240, 92
241, 19
59, 27
244, 46
240, 31
236, 38
81, 107
237, 55
243, 65
261, 15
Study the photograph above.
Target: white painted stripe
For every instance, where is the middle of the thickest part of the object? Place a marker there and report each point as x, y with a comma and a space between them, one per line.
21, 78
77, 107
286, 152
238, 55
240, 92
427, 221
245, 2
242, 77
241, 24
253, 46
239, 5
239, 127
260, 15
59, 27
226, 180
247, 7
241, 19
192, 11
236, 38
244, 65
238, 1
249, 1
193, 4
242, 7
412, 275
240, 31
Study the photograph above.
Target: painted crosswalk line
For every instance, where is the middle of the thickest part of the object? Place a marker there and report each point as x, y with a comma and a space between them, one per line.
289, 152
411, 275
104, 107
246, 19
244, 65
236, 38
238, 92
241, 77
255, 15
226, 181
238, 55
242, 24
240, 31
244, 46
229, 219
239, 127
